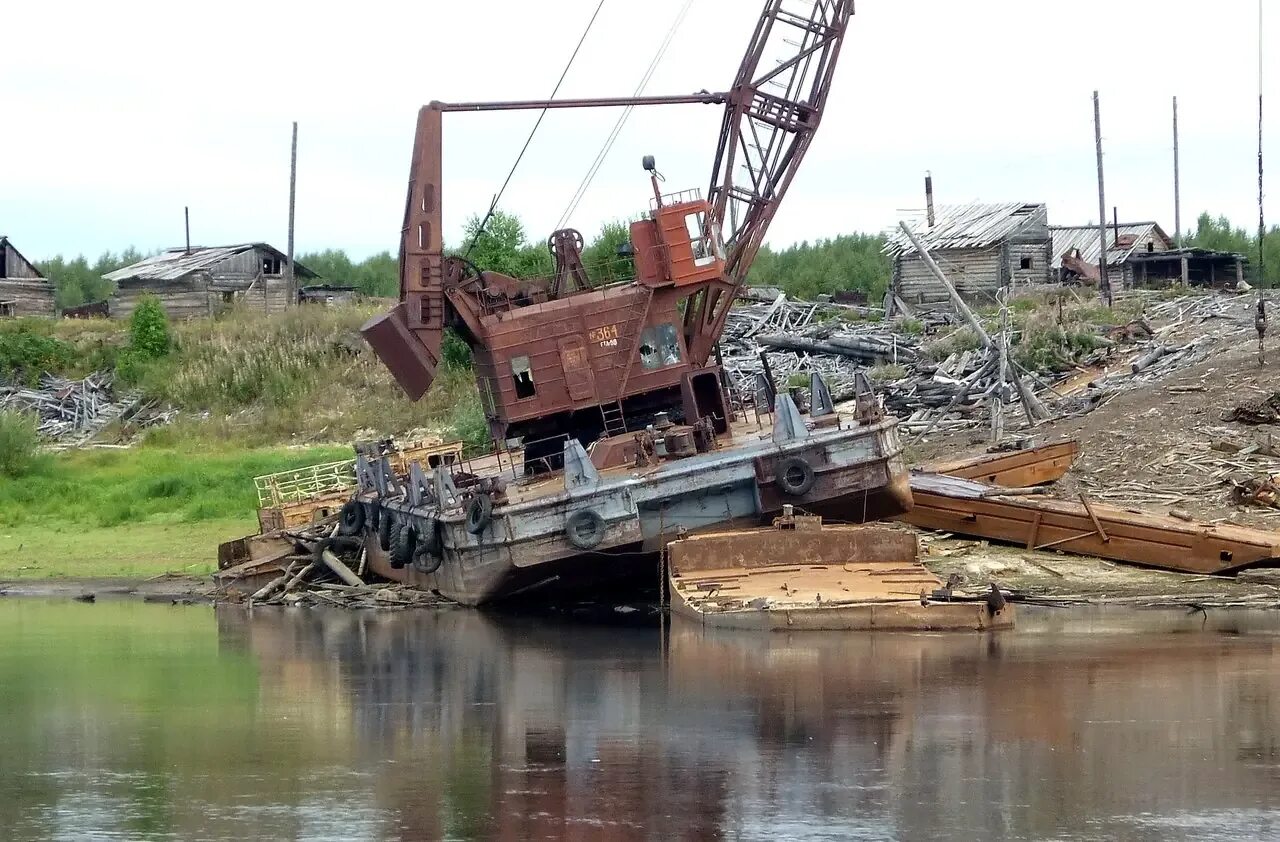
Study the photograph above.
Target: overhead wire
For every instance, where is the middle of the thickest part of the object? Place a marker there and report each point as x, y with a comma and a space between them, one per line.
493, 205
596, 164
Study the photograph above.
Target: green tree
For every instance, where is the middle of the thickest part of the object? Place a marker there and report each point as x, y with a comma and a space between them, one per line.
377, 275
504, 248
77, 281
604, 263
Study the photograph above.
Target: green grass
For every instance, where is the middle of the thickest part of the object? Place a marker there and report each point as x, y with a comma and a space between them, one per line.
126, 512
47, 550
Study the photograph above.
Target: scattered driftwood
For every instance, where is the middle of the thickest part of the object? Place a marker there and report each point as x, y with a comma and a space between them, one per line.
319, 573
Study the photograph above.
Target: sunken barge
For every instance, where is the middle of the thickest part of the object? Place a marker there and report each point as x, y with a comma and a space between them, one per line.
483, 530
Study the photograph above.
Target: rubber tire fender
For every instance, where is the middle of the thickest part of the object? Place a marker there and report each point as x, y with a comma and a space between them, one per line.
479, 513
428, 553
403, 540
351, 518
584, 529
789, 484
386, 527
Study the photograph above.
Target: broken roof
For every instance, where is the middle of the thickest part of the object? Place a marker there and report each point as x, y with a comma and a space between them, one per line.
172, 264
5, 241
972, 226
1085, 238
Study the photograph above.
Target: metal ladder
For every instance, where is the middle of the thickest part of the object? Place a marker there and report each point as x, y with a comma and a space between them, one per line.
615, 422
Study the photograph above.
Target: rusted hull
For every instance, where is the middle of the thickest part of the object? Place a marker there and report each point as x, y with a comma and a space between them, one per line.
803, 576
955, 505
526, 546
1020, 469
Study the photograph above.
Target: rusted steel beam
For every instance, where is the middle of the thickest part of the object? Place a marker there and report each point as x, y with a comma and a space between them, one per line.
952, 504
605, 102
1020, 469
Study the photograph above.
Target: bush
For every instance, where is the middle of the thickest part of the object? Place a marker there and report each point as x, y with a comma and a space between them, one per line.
19, 443
25, 354
149, 330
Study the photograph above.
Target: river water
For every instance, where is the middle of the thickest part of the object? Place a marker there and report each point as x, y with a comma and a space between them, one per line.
125, 720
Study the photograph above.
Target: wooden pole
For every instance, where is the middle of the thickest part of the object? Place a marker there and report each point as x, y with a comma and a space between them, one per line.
186, 223
1262, 219
1034, 409
1177, 180
1104, 282
961, 307
290, 284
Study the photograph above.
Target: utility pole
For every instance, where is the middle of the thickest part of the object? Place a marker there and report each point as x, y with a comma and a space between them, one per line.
1261, 322
1104, 283
186, 223
290, 281
1177, 179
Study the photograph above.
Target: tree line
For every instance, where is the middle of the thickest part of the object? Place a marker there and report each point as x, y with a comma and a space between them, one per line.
500, 243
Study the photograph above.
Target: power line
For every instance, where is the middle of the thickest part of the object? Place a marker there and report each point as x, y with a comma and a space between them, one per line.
622, 120
493, 205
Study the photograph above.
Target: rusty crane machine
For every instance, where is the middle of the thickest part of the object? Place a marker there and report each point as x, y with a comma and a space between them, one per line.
556, 357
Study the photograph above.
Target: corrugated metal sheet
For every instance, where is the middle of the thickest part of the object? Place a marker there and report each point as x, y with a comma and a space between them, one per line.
175, 263
1085, 238
972, 226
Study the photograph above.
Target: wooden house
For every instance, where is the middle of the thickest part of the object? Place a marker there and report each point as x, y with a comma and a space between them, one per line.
24, 291
982, 248
1139, 254
205, 280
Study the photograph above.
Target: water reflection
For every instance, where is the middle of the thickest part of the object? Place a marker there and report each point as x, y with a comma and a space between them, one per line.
186, 723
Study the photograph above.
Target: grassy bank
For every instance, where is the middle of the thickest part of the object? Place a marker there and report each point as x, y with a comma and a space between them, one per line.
135, 512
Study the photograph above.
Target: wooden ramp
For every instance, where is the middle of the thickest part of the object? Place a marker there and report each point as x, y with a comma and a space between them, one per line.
968, 507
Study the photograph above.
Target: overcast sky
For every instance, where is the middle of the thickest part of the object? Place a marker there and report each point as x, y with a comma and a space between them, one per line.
117, 115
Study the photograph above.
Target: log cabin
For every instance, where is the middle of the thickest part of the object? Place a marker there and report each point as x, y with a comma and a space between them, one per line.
205, 280
24, 291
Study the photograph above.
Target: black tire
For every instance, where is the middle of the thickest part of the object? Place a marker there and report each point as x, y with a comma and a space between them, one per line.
585, 529
428, 555
351, 518
386, 526
479, 513
794, 476
403, 540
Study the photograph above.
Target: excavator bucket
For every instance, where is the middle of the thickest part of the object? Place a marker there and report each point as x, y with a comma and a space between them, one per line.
410, 361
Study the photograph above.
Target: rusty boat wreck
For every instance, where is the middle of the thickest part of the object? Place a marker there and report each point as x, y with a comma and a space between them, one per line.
802, 575
482, 530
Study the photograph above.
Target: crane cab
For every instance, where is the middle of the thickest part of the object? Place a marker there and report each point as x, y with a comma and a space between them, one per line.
680, 243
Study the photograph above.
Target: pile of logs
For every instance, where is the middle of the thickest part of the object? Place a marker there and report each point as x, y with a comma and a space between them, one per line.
71, 412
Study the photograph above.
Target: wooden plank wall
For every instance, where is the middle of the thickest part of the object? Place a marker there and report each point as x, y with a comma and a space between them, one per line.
27, 297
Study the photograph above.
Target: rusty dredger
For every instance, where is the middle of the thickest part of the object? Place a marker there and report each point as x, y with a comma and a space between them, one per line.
615, 429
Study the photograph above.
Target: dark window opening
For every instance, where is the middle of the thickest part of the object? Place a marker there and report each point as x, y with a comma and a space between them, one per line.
1151, 246
523, 376
1027, 263
271, 265
4, 271
6, 309
660, 346
228, 297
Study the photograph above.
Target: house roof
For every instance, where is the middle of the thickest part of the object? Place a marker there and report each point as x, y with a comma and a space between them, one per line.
971, 226
1085, 238
172, 264
5, 241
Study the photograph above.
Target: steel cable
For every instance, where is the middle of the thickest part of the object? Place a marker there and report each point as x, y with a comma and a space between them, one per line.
622, 120
493, 205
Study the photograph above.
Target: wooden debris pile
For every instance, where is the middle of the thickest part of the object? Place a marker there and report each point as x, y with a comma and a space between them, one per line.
72, 412
317, 567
